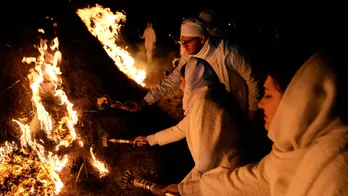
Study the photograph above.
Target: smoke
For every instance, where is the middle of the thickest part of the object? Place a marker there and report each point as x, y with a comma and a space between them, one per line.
162, 61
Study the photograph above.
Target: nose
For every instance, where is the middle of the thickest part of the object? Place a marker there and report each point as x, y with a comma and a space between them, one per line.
261, 104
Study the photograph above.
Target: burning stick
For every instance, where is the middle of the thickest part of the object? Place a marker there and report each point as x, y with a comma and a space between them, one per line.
106, 102
105, 141
78, 174
129, 178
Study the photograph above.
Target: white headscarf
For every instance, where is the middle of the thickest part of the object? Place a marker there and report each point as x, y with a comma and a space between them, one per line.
193, 27
313, 92
199, 77
307, 134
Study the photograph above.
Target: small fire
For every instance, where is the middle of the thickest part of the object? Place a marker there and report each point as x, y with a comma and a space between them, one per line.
99, 165
104, 24
32, 168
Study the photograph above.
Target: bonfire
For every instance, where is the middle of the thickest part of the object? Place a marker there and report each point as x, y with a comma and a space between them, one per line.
33, 166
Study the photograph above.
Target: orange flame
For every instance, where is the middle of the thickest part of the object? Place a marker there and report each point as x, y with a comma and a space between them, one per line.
104, 24
99, 165
44, 78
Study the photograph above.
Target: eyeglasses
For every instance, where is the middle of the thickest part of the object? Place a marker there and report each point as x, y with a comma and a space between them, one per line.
186, 42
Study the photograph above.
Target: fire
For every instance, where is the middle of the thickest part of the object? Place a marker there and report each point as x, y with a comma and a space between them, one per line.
99, 165
104, 24
32, 168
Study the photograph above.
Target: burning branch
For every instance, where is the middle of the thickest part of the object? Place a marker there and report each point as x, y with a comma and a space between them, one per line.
105, 25
129, 178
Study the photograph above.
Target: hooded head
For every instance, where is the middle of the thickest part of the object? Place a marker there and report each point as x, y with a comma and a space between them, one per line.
309, 105
207, 16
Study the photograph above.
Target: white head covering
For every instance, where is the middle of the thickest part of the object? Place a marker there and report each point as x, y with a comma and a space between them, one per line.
193, 27
199, 77
207, 15
306, 107
307, 133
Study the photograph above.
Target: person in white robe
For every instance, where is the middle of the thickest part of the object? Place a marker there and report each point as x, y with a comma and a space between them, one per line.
210, 124
150, 41
231, 67
310, 134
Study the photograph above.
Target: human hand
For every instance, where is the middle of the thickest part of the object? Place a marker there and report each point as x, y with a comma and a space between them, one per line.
140, 140
171, 190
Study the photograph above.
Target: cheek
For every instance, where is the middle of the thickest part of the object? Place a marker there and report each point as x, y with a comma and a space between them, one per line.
194, 47
271, 108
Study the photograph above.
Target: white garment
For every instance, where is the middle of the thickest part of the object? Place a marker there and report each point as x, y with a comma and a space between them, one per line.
209, 129
150, 40
309, 156
199, 76
231, 68
149, 55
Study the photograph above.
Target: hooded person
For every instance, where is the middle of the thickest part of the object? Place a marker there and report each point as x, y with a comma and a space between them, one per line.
310, 134
231, 68
210, 124
209, 18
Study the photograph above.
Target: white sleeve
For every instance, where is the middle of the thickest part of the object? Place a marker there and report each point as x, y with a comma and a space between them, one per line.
170, 135
243, 181
239, 64
167, 85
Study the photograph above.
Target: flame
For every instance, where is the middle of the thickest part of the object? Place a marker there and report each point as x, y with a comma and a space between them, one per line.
104, 24
99, 165
35, 166
46, 75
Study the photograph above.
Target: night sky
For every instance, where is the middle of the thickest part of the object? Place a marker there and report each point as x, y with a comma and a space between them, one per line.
309, 21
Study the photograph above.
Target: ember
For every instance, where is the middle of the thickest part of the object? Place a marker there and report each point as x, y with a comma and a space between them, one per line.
22, 172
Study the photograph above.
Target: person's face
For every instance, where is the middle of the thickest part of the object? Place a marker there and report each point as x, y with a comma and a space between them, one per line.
182, 84
192, 44
270, 100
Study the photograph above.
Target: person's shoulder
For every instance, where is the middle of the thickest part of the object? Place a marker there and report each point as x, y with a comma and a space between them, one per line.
225, 46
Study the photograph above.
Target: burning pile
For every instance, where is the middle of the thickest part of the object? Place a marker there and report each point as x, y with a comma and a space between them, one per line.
105, 25
21, 172
33, 167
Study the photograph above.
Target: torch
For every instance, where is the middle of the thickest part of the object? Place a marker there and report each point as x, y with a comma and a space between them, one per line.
129, 178
106, 140
106, 102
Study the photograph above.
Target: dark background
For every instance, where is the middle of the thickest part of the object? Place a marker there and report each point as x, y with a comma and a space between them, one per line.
305, 24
